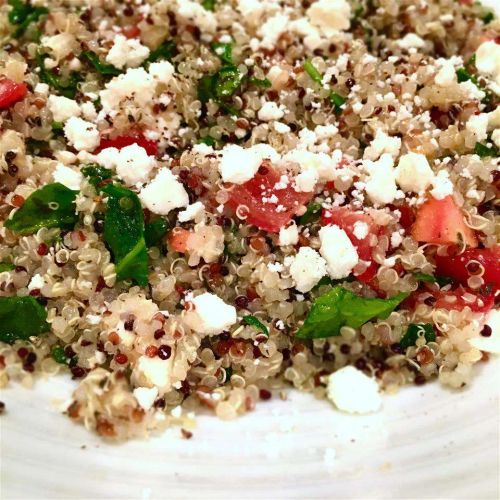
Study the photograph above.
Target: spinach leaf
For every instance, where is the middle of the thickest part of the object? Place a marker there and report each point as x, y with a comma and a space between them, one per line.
312, 214
6, 266
312, 71
23, 14
337, 101
224, 51
155, 231
340, 307
209, 141
209, 5
50, 206
21, 318
484, 151
99, 66
221, 85
96, 174
58, 355
263, 83
251, 320
165, 51
124, 233
66, 86
488, 17
428, 278
416, 330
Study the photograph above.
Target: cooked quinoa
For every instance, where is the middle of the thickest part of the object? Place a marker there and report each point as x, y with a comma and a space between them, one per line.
207, 203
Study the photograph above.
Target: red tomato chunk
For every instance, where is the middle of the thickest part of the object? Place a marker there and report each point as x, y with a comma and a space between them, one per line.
11, 92
127, 140
269, 208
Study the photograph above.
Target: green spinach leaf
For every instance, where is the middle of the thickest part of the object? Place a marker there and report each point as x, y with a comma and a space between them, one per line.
96, 174
155, 231
166, 51
21, 318
428, 278
50, 206
484, 151
23, 14
251, 320
416, 330
101, 67
312, 214
124, 233
6, 266
66, 86
340, 307
209, 5
263, 83
221, 85
224, 51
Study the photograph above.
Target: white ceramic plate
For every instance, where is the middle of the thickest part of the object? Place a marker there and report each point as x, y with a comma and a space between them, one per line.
427, 443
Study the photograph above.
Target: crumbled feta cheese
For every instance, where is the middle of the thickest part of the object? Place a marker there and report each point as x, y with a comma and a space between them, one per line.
197, 15
67, 177
478, 125
411, 41
350, 390
37, 282
488, 63
238, 165
330, 16
191, 212
211, 315
82, 135
270, 111
381, 185
446, 75
360, 230
127, 52
162, 71
414, 173
495, 137
288, 235
306, 181
133, 164
340, 254
42, 88
272, 29
60, 46
491, 343
281, 128
88, 110
442, 186
307, 268
164, 193
471, 90
154, 372
251, 7
63, 108
396, 239
382, 143
135, 84
145, 396
323, 164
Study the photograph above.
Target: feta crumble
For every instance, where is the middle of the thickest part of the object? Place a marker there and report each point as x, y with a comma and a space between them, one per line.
127, 52
289, 235
67, 177
191, 212
382, 143
414, 173
350, 390
145, 396
330, 16
164, 193
63, 108
270, 111
82, 135
338, 251
442, 186
211, 315
381, 184
307, 268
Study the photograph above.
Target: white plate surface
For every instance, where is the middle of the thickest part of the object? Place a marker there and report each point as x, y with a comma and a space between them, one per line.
426, 443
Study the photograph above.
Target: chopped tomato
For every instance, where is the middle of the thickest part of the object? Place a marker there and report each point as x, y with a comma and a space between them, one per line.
346, 218
131, 31
407, 217
269, 207
442, 222
11, 92
461, 297
127, 140
461, 267
178, 238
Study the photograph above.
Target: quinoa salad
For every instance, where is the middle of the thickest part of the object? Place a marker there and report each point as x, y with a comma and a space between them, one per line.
206, 203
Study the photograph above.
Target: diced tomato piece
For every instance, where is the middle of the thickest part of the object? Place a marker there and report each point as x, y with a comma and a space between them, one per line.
269, 208
461, 297
127, 140
407, 217
131, 31
442, 222
461, 267
346, 218
11, 92
178, 238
